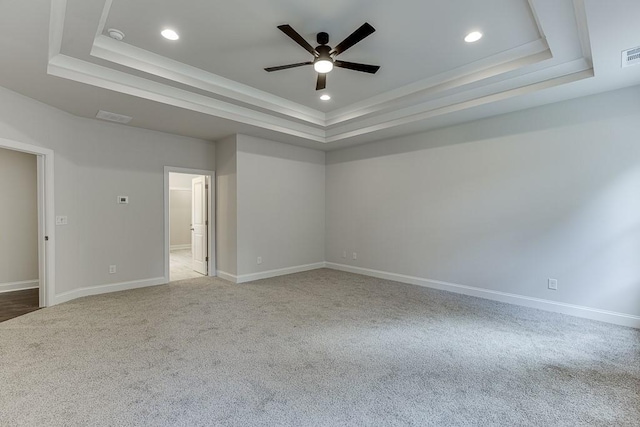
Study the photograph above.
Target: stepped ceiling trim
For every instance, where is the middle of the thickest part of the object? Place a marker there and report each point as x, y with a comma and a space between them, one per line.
525, 69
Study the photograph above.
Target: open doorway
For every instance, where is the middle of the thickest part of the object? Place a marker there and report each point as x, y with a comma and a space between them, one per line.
188, 216
19, 274
27, 256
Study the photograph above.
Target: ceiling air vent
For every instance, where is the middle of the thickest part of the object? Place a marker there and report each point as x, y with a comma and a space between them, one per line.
113, 117
631, 57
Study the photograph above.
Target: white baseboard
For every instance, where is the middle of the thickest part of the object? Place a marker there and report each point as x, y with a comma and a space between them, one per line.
179, 247
244, 278
19, 286
542, 304
227, 276
104, 289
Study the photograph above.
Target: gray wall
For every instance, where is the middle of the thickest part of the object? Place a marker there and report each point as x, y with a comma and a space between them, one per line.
180, 208
281, 191
18, 219
180, 217
95, 162
226, 206
502, 204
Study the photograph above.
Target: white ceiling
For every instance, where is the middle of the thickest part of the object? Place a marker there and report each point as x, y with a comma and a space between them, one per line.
211, 82
238, 39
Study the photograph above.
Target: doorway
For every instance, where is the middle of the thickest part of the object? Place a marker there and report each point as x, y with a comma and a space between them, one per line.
189, 240
19, 275
29, 269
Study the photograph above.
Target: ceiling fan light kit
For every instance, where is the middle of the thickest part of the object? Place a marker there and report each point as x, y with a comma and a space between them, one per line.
324, 56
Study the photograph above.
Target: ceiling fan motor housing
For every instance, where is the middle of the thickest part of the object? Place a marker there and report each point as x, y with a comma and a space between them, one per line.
322, 38
324, 52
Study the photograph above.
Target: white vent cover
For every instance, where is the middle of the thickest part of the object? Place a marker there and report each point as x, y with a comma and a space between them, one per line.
113, 117
631, 57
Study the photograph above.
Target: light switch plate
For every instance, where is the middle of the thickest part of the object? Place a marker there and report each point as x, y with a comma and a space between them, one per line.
62, 220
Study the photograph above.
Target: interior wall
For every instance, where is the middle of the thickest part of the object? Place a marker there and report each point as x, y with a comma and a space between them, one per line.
181, 181
281, 192
226, 206
18, 220
502, 204
94, 163
180, 209
180, 218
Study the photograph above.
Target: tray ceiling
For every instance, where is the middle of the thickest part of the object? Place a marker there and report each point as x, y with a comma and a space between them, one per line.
532, 52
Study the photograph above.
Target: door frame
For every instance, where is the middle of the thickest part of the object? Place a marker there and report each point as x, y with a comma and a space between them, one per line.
211, 228
46, 217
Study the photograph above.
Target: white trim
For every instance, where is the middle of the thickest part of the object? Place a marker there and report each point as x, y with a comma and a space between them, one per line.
583, 29
419, 113
42, 226
97, 75
539, 303
46, 216
105, 289
131, 56
179, 189
211, 195
19, 286
244, 278
483, 69
56, 26
180, 247
450, 92
227, 276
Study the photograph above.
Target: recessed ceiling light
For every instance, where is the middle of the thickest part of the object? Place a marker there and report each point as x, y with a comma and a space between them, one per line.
325, 97
170, 34
473, 37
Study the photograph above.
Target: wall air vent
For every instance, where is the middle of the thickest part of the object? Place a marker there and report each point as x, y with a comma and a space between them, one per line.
631, 57
113, 117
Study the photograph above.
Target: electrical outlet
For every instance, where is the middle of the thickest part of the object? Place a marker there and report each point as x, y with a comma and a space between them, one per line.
355, 255
112, 269
344, 254
62, 220
259, 260
553, 284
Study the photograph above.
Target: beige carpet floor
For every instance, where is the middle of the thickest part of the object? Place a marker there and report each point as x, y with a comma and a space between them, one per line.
322, 348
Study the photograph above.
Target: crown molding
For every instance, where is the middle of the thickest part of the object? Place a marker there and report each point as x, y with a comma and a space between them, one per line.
86, 72
140, 59
522, 70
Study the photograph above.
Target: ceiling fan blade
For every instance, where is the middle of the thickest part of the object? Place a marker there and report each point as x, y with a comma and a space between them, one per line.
288, 30
286, 67
322, 81
358, 35
365, 68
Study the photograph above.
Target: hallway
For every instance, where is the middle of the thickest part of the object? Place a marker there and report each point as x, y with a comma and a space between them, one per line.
181, 266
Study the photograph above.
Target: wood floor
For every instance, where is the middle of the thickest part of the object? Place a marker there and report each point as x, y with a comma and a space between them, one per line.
14, 304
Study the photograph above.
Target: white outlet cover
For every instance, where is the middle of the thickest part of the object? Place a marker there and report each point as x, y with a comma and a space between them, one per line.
123, 200
553, 284
62, 220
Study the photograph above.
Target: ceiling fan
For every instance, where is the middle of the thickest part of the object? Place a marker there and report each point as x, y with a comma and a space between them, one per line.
324, 56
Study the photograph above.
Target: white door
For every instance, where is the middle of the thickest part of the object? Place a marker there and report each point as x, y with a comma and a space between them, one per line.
199, 224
